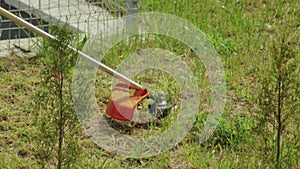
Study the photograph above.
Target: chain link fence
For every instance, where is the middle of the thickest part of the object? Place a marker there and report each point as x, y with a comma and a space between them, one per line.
88, 16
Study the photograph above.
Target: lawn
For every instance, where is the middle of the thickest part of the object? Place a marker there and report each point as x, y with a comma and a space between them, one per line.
258, 43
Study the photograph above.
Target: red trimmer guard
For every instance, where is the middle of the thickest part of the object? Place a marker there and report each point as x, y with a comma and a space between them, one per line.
121, 105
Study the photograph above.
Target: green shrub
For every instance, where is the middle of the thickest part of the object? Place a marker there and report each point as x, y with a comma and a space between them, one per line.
279, 102
55, 117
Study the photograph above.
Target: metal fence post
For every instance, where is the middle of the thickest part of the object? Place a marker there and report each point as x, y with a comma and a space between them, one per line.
131, 21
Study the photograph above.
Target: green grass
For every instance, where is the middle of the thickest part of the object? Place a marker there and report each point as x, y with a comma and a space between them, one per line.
242, 32
18, 78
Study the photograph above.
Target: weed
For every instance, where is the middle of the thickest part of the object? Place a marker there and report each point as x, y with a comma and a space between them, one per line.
232, 131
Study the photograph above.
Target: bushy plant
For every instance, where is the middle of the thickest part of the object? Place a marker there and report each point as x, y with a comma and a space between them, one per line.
55, 117
279, 101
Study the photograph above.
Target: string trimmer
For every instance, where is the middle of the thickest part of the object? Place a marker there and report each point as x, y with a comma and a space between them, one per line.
121, 106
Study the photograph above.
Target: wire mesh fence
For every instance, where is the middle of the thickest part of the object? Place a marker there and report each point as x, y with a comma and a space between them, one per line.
88, 16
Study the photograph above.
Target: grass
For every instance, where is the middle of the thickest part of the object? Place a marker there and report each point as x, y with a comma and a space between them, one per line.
242, 32
18, 78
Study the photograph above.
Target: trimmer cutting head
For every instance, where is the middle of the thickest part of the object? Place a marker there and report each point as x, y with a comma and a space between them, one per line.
159, 106
121, 105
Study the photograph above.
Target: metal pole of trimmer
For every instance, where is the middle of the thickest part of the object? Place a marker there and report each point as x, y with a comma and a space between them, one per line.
43, 33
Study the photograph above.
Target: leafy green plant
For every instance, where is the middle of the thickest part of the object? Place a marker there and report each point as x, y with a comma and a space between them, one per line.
55, 117
232, 130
